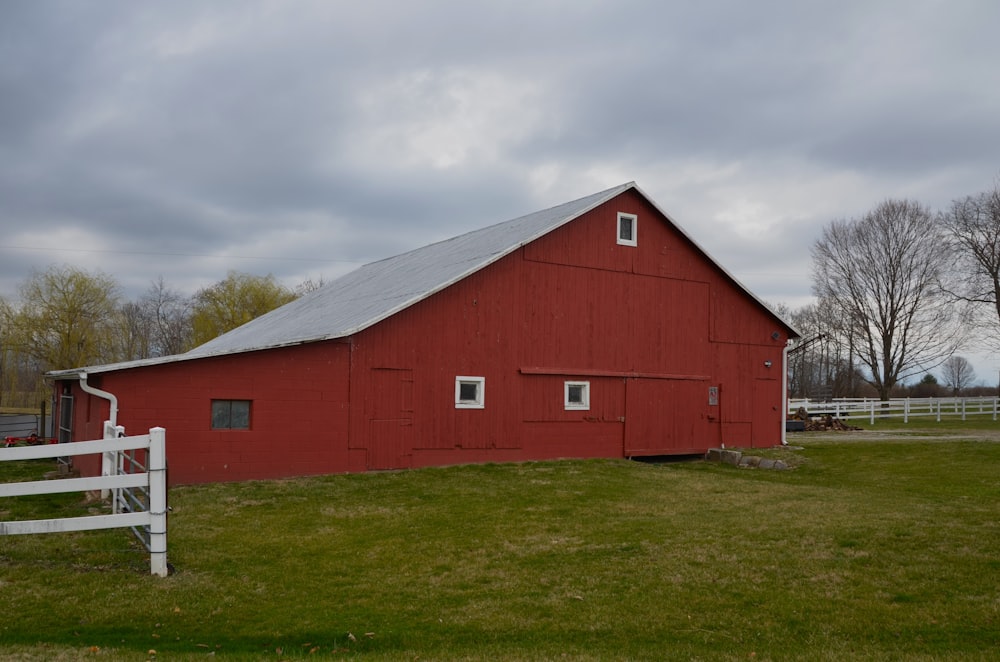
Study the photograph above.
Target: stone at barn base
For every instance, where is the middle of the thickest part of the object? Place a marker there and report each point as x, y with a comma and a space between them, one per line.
738, 459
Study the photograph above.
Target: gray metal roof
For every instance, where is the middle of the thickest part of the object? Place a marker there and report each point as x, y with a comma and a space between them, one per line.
381, 289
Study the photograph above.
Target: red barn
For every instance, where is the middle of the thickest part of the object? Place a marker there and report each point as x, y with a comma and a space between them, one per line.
597, 328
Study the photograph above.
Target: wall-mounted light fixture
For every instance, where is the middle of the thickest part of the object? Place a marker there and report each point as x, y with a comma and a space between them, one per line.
767, 364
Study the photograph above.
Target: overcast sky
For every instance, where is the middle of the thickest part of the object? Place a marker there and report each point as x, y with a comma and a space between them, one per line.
184, 139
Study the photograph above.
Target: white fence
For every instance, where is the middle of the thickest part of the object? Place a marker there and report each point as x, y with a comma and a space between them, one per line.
905, 408
153, 479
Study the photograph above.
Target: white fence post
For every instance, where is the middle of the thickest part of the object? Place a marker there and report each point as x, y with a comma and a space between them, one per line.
110, 460
157, 502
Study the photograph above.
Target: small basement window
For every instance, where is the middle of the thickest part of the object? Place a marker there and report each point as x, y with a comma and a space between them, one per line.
470, 392
627, 229
230, 414
576, 395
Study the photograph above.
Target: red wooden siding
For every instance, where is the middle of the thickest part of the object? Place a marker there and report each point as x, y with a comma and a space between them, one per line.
300, 404
550, 431
652, 328
576, 305
668, 416
388, 408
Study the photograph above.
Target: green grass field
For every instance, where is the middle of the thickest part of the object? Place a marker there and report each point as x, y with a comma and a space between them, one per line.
951, 424
880, 548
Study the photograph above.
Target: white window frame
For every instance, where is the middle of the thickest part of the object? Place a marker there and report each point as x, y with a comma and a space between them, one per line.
579, 406
479, 402
635, 229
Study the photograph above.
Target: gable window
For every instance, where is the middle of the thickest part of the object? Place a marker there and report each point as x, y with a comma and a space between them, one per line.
230, 414
576, 395
627, 229
470, 392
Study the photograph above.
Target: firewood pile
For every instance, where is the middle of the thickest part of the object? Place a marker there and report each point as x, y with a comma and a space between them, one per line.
820, 423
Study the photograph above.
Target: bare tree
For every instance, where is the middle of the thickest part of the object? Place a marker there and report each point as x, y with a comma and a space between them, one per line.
821, 362
881, 274
309, 285
132, 332
973, 225
957, 374
170, 313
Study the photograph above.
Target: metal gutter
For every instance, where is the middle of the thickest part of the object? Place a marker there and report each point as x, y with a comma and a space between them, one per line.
784, 395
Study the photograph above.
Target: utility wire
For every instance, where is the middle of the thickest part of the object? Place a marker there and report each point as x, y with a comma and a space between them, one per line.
164, 254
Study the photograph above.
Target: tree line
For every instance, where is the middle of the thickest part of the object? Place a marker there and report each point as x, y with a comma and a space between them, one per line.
65, 317
899, 292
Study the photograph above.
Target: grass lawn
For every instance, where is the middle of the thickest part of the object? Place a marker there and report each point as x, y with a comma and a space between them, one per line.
875, 549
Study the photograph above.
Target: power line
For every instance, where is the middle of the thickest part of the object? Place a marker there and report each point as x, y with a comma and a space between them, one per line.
105, 251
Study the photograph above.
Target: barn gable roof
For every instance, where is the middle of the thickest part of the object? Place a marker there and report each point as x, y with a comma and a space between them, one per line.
381, 289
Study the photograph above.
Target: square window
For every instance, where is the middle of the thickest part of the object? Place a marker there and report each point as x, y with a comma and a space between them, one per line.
627, 226
470, 392
576, 395
230, 414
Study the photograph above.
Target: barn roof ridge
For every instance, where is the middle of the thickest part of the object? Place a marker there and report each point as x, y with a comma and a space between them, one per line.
603, 195
380, 289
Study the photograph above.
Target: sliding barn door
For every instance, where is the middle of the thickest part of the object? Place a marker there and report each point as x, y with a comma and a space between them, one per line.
667, 417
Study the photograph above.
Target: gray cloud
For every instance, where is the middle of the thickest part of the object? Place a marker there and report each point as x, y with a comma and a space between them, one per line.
303, 138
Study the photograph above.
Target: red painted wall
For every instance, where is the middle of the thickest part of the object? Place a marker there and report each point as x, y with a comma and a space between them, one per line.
651, 327
300, 407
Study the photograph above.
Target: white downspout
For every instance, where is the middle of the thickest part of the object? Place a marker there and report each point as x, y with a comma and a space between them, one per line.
109, 459
110, 397
784, 395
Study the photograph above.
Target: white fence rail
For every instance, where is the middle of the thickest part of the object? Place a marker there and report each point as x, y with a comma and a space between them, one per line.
905, 408
153, 479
